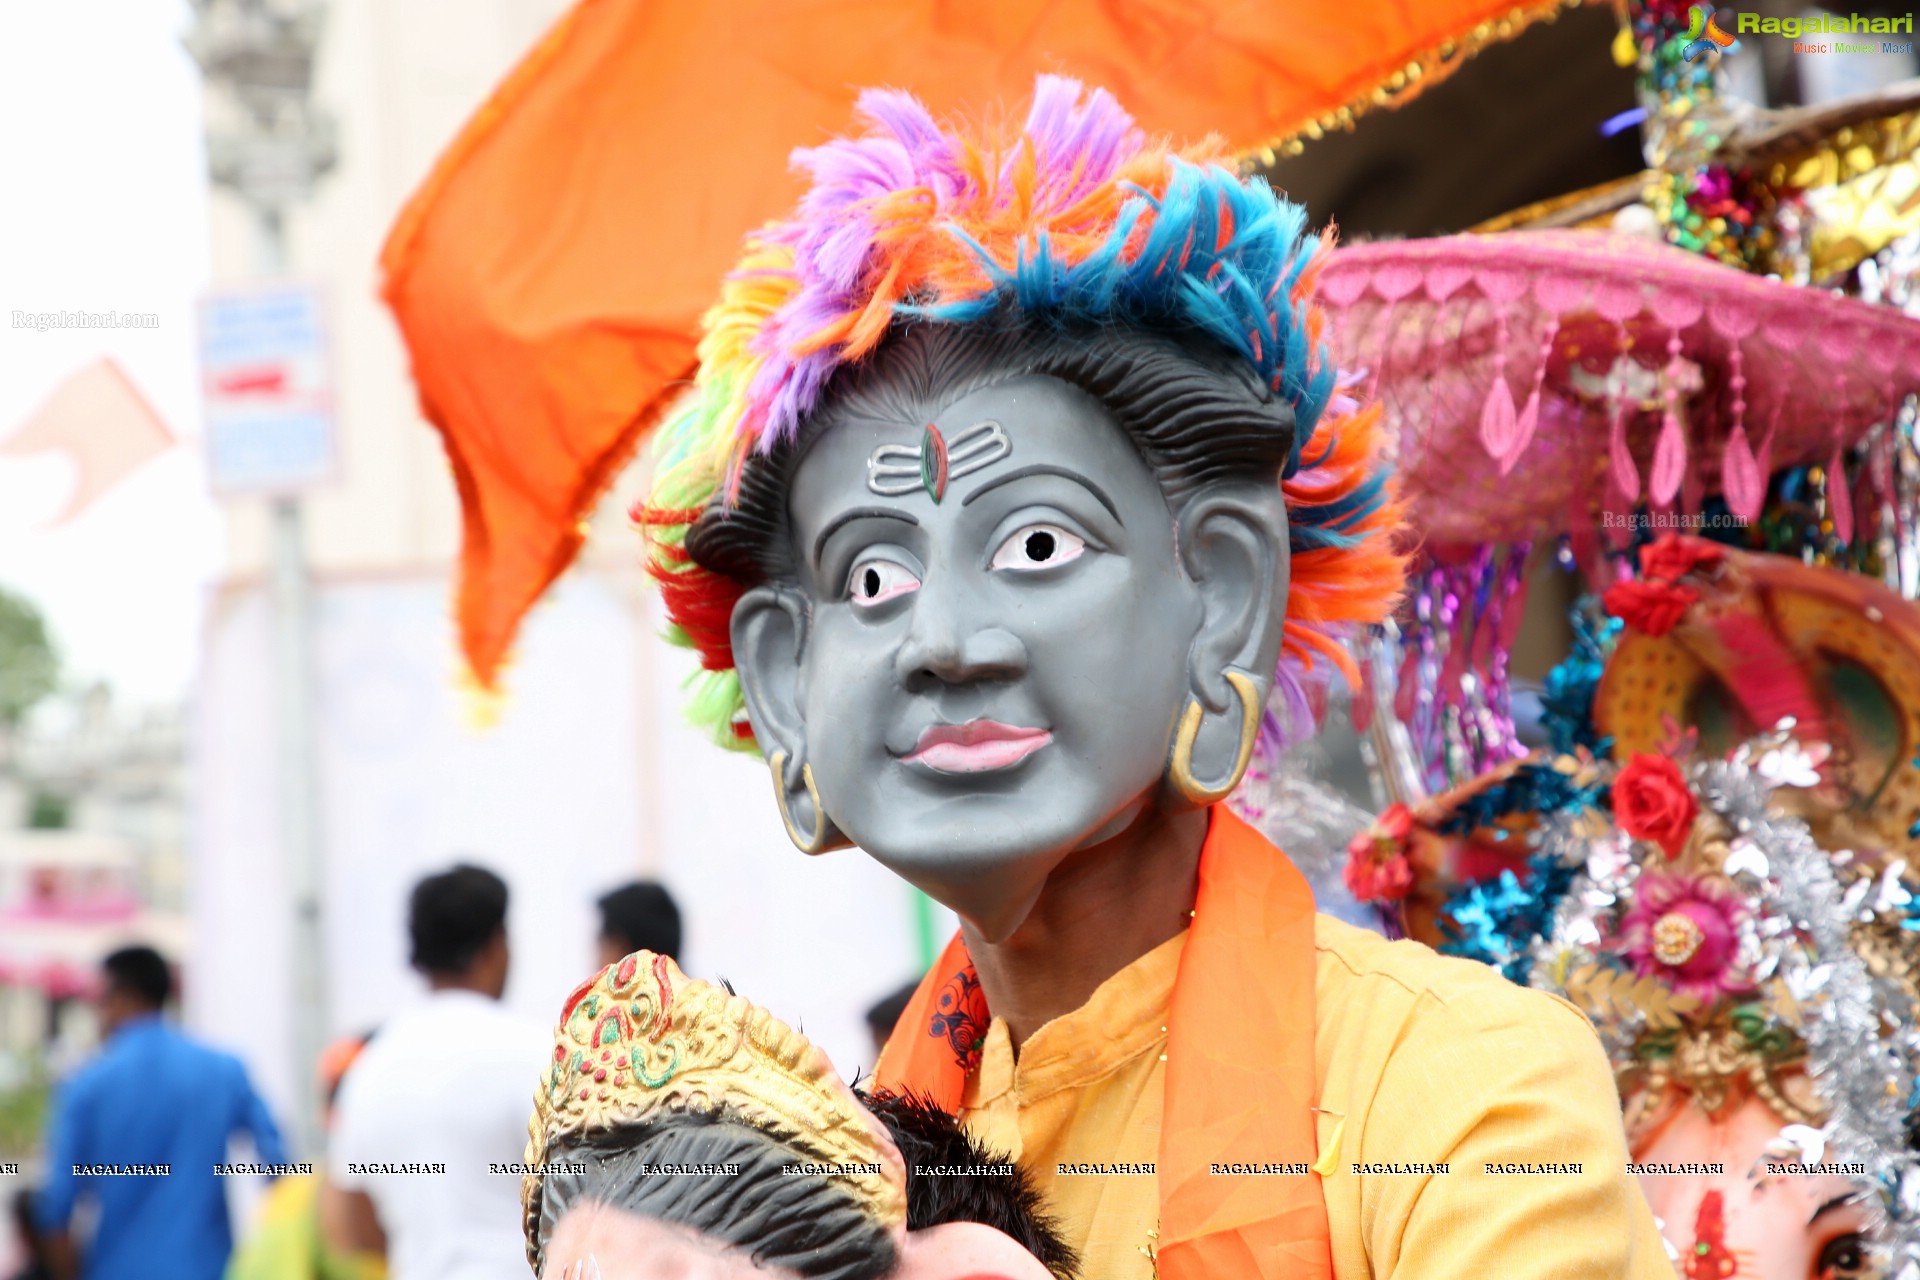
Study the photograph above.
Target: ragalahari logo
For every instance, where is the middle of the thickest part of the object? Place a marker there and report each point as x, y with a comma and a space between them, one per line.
1830, 24
1703, 34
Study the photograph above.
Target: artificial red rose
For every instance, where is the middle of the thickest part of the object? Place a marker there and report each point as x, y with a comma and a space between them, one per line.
1651, 801
1672, 557
1652, 608
1377, 867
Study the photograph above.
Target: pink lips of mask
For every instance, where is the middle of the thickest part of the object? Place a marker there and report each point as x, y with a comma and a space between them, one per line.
978, 746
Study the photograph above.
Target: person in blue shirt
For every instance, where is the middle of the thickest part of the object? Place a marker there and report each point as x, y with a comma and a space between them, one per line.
139, 1130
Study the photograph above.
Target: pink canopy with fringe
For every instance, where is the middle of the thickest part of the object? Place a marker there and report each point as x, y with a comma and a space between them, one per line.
1531, 377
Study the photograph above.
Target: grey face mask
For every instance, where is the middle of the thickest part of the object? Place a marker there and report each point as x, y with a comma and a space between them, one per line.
997, 625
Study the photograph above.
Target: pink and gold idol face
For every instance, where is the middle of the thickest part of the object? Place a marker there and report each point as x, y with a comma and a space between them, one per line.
1752, 1219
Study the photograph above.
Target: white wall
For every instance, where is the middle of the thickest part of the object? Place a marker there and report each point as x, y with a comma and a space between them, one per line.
407, 786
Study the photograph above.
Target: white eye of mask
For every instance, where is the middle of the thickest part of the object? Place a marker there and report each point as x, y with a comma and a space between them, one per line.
876, 581
1038, 546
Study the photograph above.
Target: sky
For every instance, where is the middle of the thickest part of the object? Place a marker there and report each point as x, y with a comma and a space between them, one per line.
105, 209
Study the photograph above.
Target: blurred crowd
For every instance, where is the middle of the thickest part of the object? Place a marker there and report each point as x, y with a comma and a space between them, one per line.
425, 1116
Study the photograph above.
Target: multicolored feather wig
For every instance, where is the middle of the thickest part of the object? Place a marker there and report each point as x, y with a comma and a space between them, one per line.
1080, 218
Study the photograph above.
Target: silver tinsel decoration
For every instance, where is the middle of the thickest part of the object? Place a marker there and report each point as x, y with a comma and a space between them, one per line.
1862, 1047
1575, 935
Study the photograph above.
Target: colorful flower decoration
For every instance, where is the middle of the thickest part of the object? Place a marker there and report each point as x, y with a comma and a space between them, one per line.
1377, 867
1712, 960
1653, 608
1652, 802
1672, 557
1656, 602
1685, 931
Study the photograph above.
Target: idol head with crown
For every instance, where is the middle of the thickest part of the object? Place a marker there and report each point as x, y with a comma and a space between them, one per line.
1007, 489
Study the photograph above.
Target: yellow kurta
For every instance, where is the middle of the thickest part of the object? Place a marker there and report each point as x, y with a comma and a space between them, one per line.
1430, 1060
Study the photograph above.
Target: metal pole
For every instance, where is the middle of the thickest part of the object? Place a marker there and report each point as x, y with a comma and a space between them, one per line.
270, 148
299, 812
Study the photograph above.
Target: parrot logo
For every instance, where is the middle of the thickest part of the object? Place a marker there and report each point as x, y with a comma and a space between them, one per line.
1704, 34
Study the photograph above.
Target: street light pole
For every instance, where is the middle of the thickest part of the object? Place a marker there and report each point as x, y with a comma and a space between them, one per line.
269, 144
299, 812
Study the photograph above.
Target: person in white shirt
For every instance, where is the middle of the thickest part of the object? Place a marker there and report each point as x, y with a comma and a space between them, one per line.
438, 1103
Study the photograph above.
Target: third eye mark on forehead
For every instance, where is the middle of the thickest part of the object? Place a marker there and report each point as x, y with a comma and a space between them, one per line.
895, 469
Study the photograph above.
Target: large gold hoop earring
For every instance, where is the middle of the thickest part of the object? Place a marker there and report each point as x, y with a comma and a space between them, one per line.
1180, 769
822, 829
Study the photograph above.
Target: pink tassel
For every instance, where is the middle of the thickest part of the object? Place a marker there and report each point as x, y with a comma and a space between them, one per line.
1625, 474
1523, 429
1669, 462
1670, 450
1840, 497
1529, 420
1499, 424
1742, 478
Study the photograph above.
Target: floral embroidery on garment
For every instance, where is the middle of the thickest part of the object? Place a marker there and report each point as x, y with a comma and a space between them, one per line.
960, 1015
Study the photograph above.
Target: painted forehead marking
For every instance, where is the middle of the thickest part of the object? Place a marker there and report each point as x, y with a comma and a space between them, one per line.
895, 469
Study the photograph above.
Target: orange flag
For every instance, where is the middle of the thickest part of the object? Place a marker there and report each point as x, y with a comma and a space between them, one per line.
550, 275
98, 418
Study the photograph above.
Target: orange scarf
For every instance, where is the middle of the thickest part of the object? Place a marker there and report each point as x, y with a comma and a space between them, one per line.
1240, 1066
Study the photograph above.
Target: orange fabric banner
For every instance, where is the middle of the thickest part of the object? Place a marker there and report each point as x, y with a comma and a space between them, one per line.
550, 274
1240, 1066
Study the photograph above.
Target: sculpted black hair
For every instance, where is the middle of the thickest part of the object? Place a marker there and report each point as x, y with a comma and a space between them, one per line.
934, 1145
808, 1225
1197, 412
